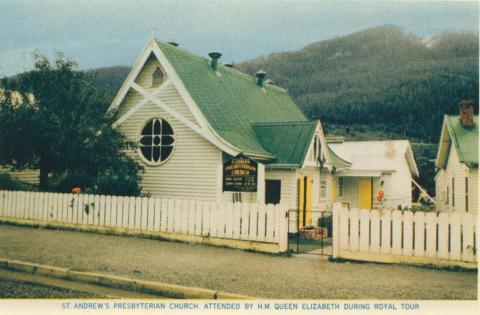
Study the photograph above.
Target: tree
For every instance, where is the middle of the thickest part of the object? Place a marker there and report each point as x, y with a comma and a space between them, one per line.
63, 131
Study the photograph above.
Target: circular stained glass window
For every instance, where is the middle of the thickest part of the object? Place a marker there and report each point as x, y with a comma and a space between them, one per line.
156, 141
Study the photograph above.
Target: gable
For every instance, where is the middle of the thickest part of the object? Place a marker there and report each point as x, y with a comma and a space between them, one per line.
145, 77
167, 93
319, 148
288, 141
464, 140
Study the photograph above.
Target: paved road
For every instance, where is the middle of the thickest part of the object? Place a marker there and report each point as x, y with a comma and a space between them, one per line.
231, 270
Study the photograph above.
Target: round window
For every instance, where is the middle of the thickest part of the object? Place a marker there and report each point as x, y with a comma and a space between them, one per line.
156, 141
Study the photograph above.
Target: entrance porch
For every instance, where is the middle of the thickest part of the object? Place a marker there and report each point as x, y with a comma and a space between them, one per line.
359, 190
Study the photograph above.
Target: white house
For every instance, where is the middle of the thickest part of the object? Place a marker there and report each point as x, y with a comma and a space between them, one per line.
380, 174
456, 182
189, 115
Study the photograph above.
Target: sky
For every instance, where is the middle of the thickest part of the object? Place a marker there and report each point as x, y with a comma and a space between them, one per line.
103, 33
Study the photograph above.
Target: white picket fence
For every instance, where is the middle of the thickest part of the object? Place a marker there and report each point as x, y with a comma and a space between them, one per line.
403, 236
237, 221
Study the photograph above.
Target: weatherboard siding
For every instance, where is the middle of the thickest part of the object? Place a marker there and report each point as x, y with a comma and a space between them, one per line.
288, 192
190, 172
131, 99
399, 186
441, 190
459, 171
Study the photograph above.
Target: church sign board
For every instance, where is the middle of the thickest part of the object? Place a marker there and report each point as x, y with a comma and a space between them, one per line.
240, 174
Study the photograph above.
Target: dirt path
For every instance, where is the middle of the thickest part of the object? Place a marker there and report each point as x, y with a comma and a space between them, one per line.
231, 270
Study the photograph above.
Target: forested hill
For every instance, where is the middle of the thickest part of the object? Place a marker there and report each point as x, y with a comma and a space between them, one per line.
108, 79
378, 83
381, 79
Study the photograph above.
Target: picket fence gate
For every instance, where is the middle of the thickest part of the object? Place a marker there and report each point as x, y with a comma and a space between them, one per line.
405, 236
236, 221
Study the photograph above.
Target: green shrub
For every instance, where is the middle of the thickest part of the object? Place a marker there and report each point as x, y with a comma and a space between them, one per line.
326, 221
423, 208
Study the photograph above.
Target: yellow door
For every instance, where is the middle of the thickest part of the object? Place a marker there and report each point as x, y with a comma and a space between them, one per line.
308, 202
334, 190
301, 200
365, 194
305, 194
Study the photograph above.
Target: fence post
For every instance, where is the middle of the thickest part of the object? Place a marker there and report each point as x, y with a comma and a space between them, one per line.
283, 228
335, 229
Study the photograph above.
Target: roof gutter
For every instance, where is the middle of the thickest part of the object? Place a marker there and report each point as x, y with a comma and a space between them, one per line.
282, 166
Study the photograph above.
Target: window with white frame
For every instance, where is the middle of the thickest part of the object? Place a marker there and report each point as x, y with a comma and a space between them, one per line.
156, 141
323, 189
340, 187
316, 149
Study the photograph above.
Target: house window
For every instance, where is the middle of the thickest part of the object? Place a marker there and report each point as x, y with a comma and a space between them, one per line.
323, 189
237, 197
273, 189
157, 77
156, 141
466, 194
316, 150
340, 187
453, 191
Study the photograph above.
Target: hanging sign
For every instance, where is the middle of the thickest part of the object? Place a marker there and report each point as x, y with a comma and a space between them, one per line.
240, 174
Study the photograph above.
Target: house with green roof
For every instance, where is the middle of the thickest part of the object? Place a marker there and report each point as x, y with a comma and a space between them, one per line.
456, 181
190, 114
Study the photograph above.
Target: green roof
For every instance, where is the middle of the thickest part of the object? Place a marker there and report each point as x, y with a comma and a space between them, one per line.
289, 141
231, 100
464, 139
337, 161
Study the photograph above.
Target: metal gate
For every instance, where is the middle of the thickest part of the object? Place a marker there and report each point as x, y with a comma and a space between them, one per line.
315, 238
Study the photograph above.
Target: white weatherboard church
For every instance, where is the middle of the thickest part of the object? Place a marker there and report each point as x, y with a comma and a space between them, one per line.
189, 115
